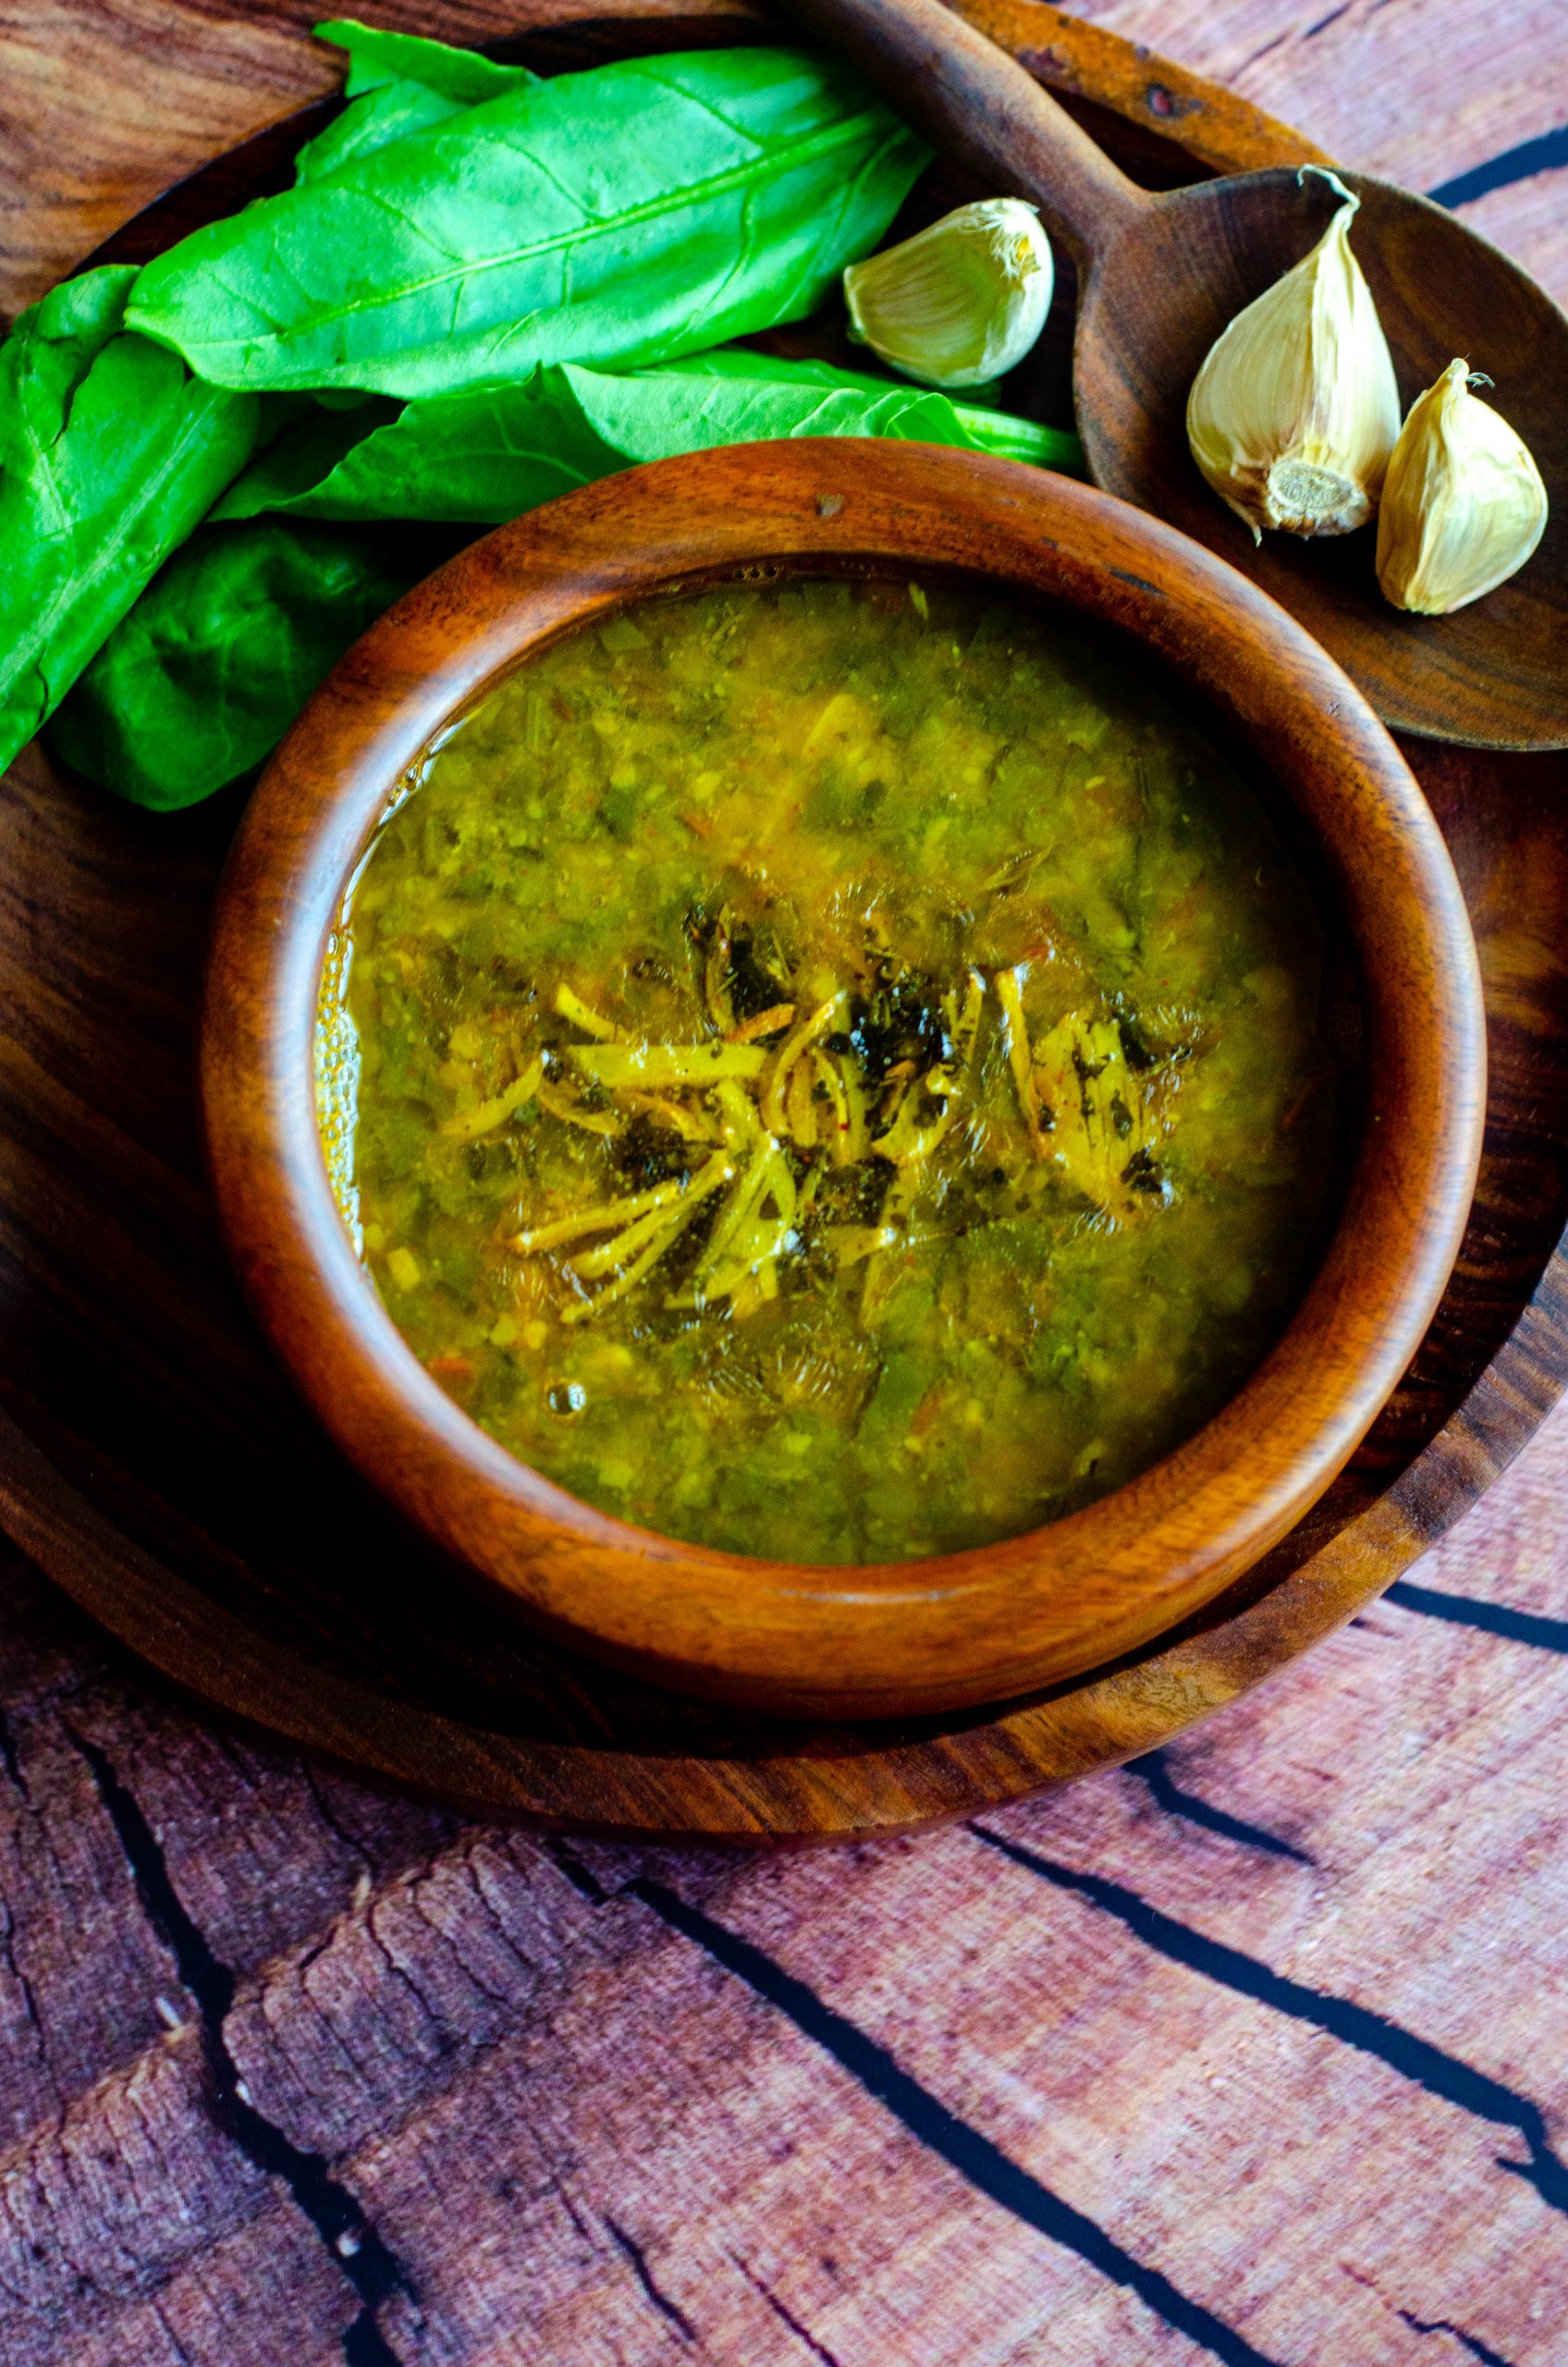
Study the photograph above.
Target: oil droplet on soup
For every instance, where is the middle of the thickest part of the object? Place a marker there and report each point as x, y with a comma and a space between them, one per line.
831, 1072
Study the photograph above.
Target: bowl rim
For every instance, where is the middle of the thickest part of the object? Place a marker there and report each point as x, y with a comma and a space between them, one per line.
952, 1630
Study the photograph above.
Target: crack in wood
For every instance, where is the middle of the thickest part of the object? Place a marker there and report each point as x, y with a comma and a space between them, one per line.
26, 1992
399, 1972
160, 2319
1542, 155
1154, 1769
563, 2192
1473, 2343
1425, 2065
976, 2158
818, 2350
1254, 56
330, 1817
586, 1885
655, 2293
358, 2249
502, 1999
9, 1759
1489, 1618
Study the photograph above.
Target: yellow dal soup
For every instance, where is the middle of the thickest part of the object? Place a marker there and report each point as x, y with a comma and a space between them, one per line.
831, 1072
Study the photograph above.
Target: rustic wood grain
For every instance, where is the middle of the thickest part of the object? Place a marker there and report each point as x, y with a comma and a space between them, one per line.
1416, 91
131, 1364
589, 2101
574, 2131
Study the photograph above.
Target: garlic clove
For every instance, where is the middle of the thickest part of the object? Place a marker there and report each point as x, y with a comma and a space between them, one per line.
958, 304
1295, 413
1463, 505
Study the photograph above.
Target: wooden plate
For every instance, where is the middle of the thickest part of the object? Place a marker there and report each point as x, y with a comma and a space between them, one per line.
154, 1461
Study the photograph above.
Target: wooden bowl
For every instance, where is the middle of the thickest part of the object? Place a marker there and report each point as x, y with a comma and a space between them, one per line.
958, 1630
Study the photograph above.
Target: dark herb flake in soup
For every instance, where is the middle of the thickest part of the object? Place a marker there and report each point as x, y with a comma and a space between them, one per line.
839, 1069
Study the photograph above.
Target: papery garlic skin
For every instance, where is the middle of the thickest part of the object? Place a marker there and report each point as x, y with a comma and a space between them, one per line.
1294, 414
958, 304
1463, 505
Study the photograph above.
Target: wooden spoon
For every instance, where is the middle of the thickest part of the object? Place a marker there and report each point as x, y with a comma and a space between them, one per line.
1159, 277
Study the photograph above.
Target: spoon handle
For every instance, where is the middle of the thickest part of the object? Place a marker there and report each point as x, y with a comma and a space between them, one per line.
979, 107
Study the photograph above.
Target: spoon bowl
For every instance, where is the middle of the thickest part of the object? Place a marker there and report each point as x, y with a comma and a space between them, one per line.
1160, 277
1492, 675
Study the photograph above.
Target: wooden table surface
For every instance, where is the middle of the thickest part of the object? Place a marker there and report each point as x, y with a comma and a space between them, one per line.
1257, 2050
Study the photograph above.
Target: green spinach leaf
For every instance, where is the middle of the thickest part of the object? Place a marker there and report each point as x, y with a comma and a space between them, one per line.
110, 452
620, 215
490, 452
388, 113
1004, 432
398, 83
216, 658
316, 468
377, 57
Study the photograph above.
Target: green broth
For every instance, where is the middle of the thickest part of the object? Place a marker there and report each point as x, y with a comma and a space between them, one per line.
832, 1072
